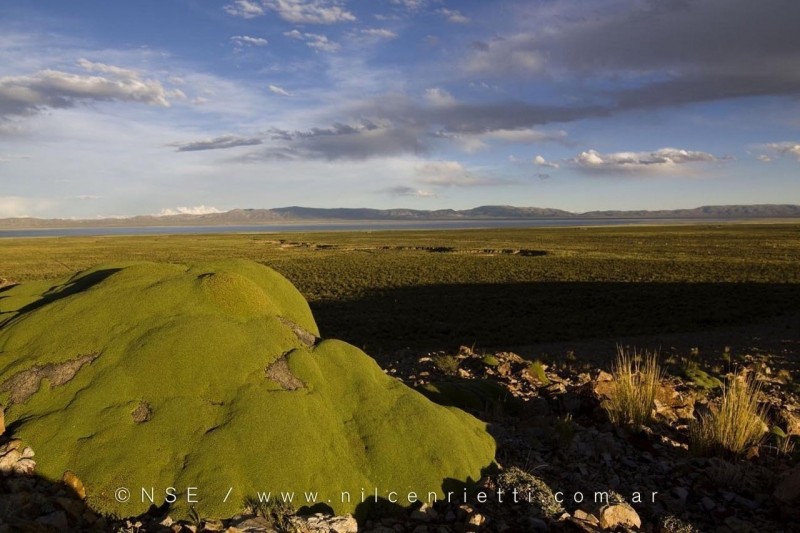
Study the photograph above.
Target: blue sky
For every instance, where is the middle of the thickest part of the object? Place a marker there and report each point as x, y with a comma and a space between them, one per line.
148, 107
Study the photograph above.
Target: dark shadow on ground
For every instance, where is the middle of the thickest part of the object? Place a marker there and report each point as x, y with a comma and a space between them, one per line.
444, 316
33, 503
73, 287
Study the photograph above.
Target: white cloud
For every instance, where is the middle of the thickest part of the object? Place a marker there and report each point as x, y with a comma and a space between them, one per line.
25, 95
196, 210
454, 174
246, 40
244, 8
411, 5
658, 161
453, 16
381, 33
314, 40
765, 158
280, 91
321, 43
297, 11
111, 70
784, 148
542, 162
439, 97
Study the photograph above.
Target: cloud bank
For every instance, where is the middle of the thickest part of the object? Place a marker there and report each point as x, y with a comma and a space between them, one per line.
53, 89
664, 160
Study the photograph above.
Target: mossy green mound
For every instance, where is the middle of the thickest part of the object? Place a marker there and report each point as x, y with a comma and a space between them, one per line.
143, 375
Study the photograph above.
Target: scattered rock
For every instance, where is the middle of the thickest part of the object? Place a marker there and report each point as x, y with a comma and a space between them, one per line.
16, 460
476, 519
425, 513
738, 525
57, 520
142, 413
586, 517
791, 421
788, 490
619, 514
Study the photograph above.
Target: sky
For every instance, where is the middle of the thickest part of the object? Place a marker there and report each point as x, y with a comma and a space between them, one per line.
193, 106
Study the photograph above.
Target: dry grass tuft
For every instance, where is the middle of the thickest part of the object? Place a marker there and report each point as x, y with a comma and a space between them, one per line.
736, 426
636, 381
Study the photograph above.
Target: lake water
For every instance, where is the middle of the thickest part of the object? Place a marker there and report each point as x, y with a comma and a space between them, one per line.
349, 226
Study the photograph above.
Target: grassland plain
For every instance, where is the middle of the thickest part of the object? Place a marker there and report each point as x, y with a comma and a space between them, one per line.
166, 375
433, 289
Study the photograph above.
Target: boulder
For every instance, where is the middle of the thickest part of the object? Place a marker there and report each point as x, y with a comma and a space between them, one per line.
619, 514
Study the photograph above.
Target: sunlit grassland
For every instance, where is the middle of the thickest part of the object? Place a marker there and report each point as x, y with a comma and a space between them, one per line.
520, 285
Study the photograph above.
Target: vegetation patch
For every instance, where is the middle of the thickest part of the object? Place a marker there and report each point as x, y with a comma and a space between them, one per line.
532, 490
700, 377
536, 370
735, 426
634, 389
447, 364
490, 360
198, 377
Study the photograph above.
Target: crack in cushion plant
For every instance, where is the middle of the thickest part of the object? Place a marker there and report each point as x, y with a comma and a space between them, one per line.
213, 376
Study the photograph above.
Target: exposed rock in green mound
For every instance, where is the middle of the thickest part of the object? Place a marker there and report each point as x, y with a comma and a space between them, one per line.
142, 375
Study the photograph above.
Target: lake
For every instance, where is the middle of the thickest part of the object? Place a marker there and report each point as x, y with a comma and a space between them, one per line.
367, 225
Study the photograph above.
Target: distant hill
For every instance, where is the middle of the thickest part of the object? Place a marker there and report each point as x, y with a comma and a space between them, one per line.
708, 211
256, 217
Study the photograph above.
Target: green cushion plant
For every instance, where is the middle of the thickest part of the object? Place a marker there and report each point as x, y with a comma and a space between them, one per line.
145, 375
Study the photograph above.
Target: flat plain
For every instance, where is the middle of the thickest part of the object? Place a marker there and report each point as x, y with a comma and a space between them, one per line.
516, 327
389, 290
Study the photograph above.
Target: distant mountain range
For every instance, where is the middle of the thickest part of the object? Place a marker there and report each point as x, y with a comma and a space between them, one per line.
256, 217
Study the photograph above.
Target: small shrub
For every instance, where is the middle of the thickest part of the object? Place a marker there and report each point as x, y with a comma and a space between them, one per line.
530, 489
783, 442
784, 376
570, 358
563, 432
536, 370
736, 426
726, 475
490, 360
636, 380
278, 513
675, 525
701, 378
446, 363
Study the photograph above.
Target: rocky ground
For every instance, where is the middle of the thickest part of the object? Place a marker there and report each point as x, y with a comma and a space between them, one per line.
572, 469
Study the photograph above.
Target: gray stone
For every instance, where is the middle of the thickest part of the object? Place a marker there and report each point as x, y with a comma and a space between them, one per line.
56, 520
738, 525
707, 503
788, 490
